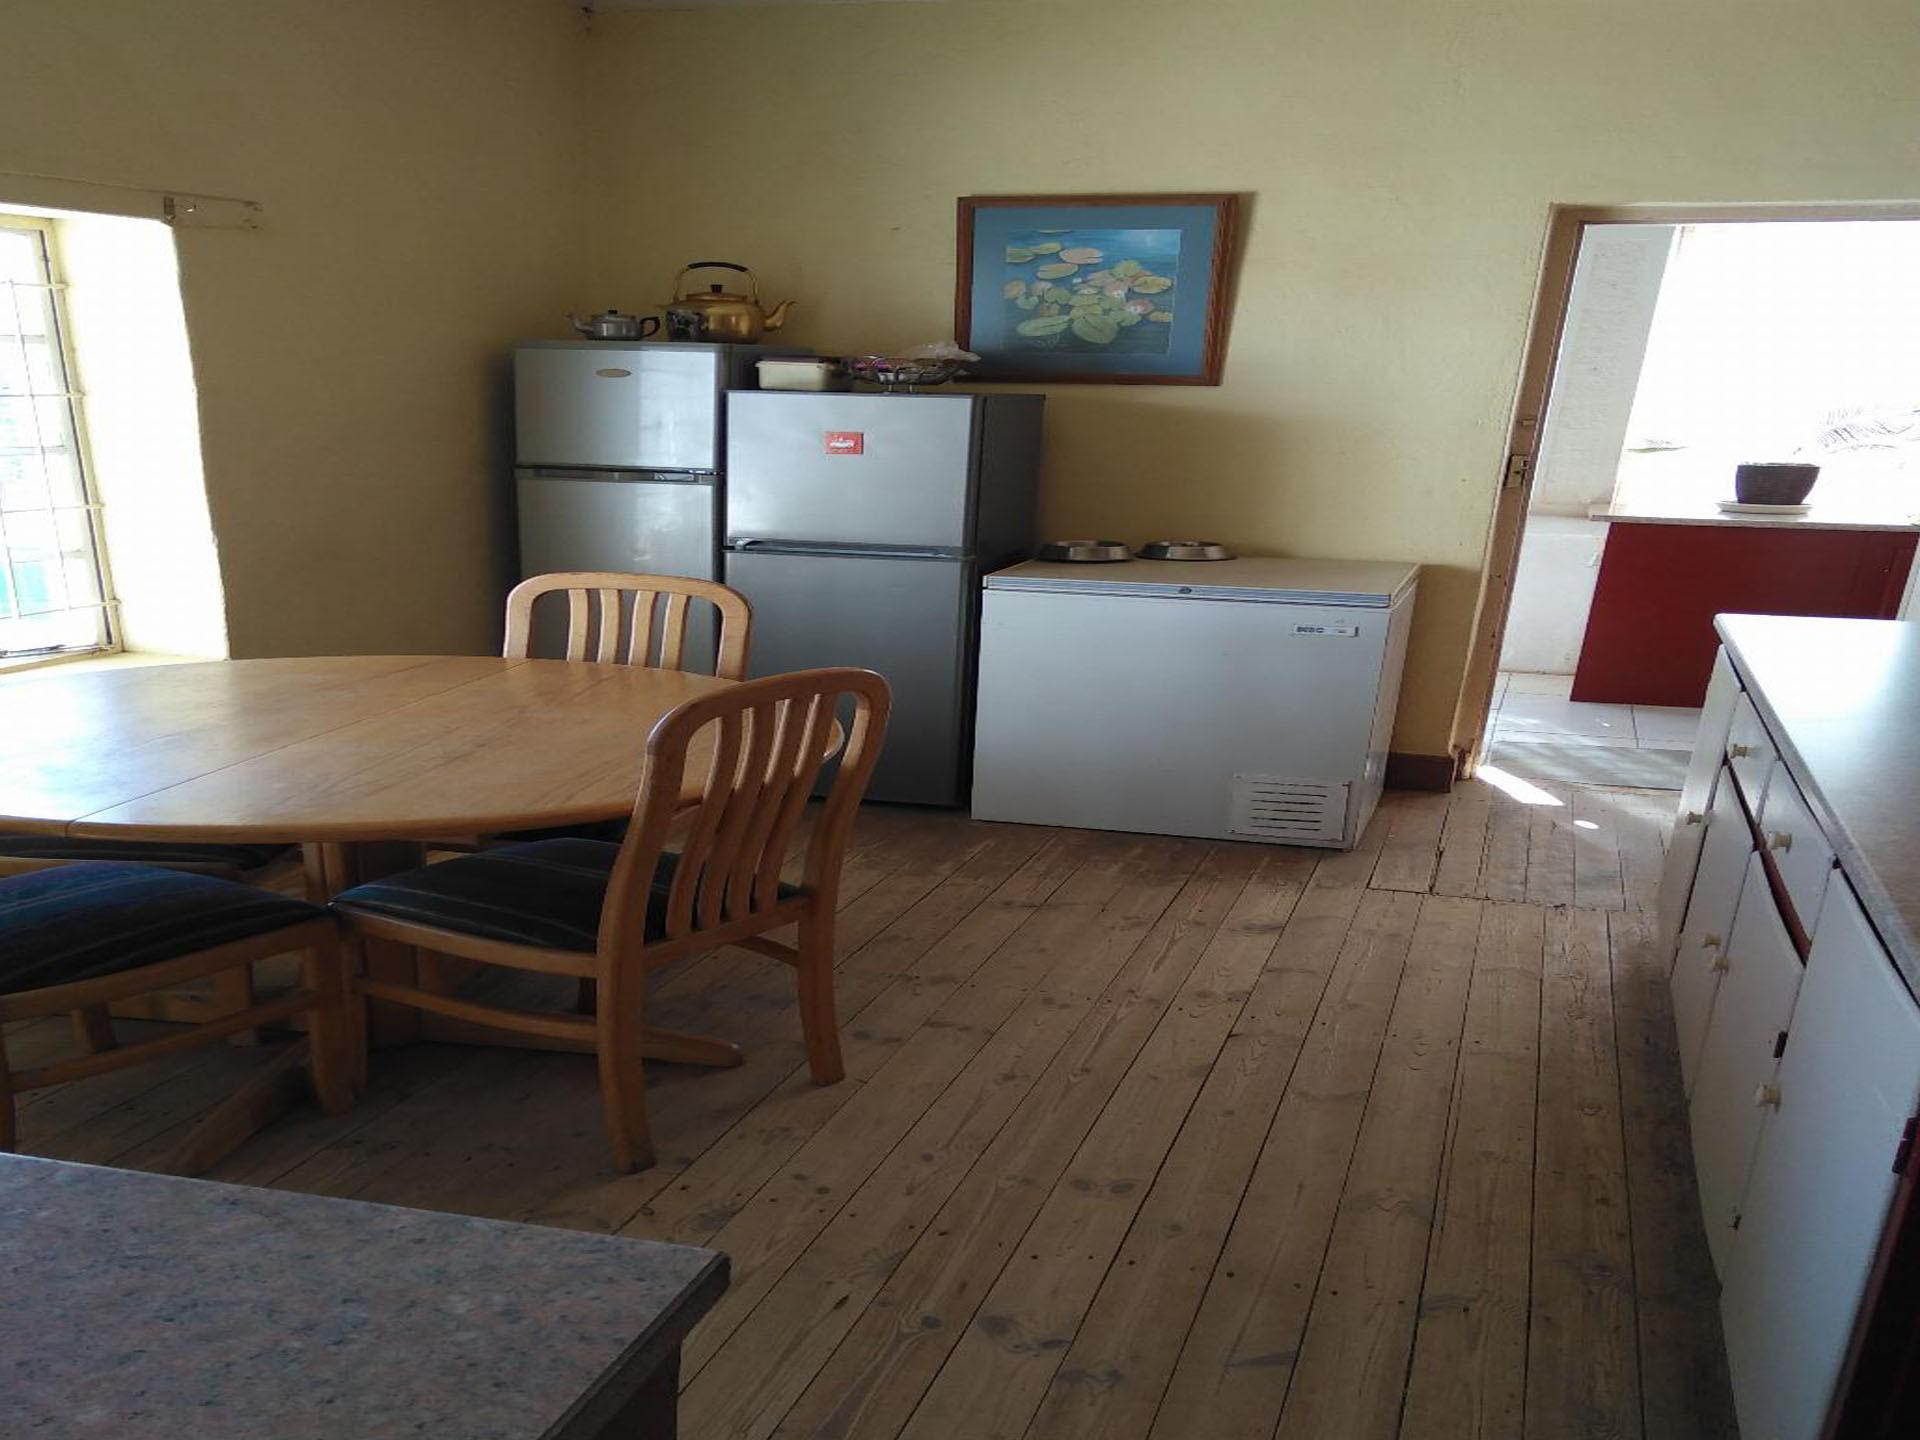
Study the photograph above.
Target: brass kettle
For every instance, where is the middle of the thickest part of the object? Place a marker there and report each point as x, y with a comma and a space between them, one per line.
717, 314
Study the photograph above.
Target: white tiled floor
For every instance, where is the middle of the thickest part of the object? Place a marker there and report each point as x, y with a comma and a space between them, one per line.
1536, 707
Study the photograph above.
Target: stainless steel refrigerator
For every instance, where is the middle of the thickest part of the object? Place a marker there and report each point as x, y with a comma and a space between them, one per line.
859, 526
618, 462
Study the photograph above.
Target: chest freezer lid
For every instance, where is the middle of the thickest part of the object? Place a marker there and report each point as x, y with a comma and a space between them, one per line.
1266, 579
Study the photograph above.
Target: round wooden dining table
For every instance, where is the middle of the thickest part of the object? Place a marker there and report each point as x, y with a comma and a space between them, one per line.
358, 759
336, 750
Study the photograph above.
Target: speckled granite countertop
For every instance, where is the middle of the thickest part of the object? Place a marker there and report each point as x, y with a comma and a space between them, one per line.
143, 1305
1841, 699
1820, 517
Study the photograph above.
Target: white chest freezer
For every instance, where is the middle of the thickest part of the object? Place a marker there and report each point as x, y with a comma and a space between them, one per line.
1248, 699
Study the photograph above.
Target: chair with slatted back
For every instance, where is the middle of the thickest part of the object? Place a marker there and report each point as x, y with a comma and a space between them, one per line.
610, 913
650, 611
76, 938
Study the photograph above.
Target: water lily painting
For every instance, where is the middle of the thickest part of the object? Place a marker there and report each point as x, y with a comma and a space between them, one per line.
1127, 289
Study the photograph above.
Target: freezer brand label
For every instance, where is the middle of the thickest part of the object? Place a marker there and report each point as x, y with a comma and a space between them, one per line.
1348, 630
846, 442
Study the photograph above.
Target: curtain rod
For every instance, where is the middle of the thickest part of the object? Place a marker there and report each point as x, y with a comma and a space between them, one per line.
182, 209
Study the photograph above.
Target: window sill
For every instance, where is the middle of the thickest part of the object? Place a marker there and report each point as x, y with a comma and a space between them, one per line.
91, 660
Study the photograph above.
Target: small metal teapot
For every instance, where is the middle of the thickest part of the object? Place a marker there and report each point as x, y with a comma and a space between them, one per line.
612, 325
717, 314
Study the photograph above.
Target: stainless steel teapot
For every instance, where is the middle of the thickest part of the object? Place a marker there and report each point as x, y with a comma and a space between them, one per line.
612, 325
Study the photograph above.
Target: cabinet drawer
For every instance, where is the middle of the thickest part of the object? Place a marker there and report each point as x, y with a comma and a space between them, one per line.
1731, 1095
1700, 955
1800, 851
1750, 752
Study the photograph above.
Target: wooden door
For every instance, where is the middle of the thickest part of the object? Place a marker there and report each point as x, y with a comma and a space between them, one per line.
1739, 1058
1701, 954
1822, 1178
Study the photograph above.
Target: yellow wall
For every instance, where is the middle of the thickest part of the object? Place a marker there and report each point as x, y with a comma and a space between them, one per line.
1400, 158
417, 160
425, 167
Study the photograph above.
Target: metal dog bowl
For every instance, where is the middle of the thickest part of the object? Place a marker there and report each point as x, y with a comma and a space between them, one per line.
1086, 552
1185, 550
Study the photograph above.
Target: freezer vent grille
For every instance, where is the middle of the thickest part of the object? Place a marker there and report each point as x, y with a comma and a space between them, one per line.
1305, 812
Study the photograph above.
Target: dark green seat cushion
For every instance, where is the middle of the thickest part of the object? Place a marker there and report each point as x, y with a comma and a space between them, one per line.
147, 852
79, 922
546, 893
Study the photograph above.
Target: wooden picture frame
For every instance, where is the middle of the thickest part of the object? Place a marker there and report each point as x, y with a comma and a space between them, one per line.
1095, 289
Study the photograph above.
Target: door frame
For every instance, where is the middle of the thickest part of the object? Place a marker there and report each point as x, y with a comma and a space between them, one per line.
1566, 228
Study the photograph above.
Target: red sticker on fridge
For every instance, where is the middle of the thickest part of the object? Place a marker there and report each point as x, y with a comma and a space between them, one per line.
846, 442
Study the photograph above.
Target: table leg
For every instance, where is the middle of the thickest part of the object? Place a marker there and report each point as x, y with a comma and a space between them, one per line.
282, 1082
334, 866
654, 1411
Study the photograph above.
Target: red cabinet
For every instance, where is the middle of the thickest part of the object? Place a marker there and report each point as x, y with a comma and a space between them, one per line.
1650, 637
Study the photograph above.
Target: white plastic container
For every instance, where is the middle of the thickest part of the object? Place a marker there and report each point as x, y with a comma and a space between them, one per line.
797, 372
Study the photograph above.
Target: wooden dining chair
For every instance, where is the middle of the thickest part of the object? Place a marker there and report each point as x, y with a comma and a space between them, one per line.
76, 938
610, 913
226, 993
649, 611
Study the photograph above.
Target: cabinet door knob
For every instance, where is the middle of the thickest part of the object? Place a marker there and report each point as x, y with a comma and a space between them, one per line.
1767, 1097
1739, 752
1718, 965
1692, 817
1709, 942
1780, 840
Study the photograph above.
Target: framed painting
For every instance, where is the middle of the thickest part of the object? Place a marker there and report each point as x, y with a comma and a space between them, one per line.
1115, 289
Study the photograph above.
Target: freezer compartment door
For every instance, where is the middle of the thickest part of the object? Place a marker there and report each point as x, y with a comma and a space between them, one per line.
908, 619
847, 469
646, 407
614, 521
1177, 717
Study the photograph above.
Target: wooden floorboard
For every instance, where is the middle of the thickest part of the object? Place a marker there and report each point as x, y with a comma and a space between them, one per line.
1583, 1370
1468, 1380
1683, 1367
1142, 1138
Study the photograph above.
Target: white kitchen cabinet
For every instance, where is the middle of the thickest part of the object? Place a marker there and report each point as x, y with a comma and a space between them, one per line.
1696, 798
1822, 1178
1733, 1084
1701, 954
1800, 852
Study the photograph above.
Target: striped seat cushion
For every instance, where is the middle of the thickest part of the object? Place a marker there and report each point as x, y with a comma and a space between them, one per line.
147, 852
546, 893
79, 922
611, 831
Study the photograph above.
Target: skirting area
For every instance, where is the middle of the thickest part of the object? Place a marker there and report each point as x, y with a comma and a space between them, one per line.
1142, 1137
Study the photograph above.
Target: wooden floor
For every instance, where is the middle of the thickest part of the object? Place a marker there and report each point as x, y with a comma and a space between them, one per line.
1141, 1138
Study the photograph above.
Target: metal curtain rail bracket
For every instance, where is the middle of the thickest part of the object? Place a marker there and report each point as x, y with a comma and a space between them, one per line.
209, 212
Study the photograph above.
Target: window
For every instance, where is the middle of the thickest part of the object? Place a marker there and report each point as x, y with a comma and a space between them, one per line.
53, 591
1784, 341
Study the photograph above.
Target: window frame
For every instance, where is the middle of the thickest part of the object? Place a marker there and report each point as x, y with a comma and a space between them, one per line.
108, 605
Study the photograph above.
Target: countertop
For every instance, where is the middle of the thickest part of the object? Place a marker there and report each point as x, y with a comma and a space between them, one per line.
1841, 699
147, 1305
1818, 518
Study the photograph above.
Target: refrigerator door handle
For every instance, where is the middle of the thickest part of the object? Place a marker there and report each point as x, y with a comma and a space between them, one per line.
616, 476
757, 545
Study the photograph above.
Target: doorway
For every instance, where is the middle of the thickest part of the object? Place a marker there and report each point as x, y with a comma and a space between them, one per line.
1669, 344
